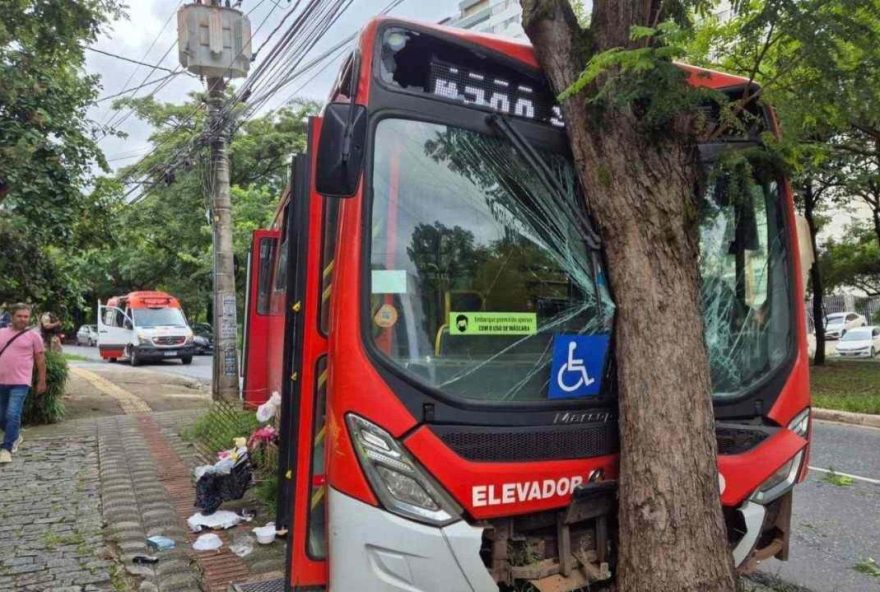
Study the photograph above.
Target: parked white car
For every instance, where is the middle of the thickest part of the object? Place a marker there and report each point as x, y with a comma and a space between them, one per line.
838, 323
861, 342
87, 335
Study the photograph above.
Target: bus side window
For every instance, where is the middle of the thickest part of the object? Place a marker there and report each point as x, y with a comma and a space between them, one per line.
328, 252
279, 284
264, 287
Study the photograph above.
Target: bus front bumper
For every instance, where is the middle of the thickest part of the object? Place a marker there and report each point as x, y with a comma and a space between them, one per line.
386, 553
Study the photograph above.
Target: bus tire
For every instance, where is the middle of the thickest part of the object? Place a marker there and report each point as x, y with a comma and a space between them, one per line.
186, 360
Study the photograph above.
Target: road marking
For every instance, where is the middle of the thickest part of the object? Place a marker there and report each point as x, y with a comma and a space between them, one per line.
131, 404
856, 477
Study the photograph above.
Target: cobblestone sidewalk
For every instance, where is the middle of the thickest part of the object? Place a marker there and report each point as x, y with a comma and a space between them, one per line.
50, 516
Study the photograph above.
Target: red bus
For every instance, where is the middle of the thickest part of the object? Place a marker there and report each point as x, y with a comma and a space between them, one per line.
430, 307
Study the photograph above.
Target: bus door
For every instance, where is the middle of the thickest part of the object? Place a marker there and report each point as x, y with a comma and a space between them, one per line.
115, 332
301, 464
257, 319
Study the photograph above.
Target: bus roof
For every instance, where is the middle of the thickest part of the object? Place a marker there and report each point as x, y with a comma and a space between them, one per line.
523, 52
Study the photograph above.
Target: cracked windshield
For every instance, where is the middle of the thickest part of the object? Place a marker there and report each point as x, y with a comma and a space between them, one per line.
475, 265
477, 268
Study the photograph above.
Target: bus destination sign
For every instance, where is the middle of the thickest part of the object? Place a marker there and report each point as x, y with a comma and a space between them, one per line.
510, 98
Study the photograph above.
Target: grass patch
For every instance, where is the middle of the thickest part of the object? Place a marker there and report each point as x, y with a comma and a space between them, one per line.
847, 386
868, 566
833, 478
216, 429
74, 357
266, 491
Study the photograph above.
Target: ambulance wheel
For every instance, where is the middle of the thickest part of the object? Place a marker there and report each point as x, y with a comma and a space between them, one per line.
186, 360
111, 360
134, 358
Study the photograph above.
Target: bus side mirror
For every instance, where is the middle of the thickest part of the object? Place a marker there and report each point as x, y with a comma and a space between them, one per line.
805, 249
341, 146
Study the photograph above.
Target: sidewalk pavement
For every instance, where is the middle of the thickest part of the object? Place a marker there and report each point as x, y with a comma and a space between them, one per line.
81, 496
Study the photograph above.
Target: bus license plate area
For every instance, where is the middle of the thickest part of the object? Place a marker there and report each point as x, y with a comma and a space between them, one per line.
530, 548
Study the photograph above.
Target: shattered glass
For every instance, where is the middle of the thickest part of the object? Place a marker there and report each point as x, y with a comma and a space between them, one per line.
473, 230
462, 224
745, 282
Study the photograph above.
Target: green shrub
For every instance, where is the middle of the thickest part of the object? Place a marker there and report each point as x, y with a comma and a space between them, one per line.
48, 407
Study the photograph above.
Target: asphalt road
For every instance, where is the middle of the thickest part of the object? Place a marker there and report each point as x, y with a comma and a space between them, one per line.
834, 527
200, 369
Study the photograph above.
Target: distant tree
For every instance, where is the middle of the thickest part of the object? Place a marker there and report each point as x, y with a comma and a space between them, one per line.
163, 240
853, 262
48, 153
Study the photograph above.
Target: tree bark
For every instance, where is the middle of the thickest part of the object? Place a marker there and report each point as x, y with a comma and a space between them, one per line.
640, 191
815, 275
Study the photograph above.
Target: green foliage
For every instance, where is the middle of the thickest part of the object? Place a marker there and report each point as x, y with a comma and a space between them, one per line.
47, 146
868, 566
852, 262
266, 490
164, 241
836, 479
48, 407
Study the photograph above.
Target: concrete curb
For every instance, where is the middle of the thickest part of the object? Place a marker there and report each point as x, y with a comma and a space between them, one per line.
860, 419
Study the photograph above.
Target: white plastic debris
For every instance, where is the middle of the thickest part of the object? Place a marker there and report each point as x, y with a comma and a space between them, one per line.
242, 545
201, 470
265, 534
207, 542
221, 519
267, 410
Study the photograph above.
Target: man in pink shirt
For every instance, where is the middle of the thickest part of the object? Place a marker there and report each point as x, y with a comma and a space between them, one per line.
20, 349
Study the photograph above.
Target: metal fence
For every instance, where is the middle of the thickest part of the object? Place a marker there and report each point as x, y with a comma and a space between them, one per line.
868, 307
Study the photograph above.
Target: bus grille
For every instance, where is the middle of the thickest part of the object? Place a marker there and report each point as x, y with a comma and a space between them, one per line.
501, 444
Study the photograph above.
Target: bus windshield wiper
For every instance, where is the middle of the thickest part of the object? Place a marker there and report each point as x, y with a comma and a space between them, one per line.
545, 175
528, 153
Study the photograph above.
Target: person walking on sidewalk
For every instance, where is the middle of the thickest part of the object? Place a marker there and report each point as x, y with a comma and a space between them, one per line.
20, 349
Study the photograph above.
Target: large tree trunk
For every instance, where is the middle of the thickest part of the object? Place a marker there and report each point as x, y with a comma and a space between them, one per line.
641, 193
815, 275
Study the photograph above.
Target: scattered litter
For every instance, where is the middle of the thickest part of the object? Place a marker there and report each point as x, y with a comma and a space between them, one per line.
227, 480
144, 559
246, 514
267, 410
160, 543
265, 534
239, 442
218, 520
208, 542
261, 437
242, 544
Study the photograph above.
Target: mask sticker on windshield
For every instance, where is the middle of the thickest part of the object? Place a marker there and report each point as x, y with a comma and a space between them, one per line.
578, 366
493, 323
388, 281
386, 316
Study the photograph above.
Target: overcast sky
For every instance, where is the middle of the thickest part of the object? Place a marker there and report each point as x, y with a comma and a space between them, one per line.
150, 29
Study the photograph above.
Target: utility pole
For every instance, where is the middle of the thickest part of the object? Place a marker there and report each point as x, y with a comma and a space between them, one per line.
225, 374
224, 52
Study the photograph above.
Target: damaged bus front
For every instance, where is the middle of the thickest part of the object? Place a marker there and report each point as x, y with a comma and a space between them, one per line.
450, 419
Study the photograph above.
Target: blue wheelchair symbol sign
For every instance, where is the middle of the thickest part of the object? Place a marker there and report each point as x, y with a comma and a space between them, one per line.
578, 366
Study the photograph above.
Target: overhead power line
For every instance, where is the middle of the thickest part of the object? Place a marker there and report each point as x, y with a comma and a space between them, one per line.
125, 59
150, 83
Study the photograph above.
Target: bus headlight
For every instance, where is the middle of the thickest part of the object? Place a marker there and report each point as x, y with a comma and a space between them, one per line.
800, 425
779, 482
397, 479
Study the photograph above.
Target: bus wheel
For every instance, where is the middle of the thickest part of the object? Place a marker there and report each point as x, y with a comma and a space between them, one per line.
186, 360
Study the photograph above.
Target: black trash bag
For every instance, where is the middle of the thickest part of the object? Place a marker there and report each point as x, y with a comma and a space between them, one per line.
212, 489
